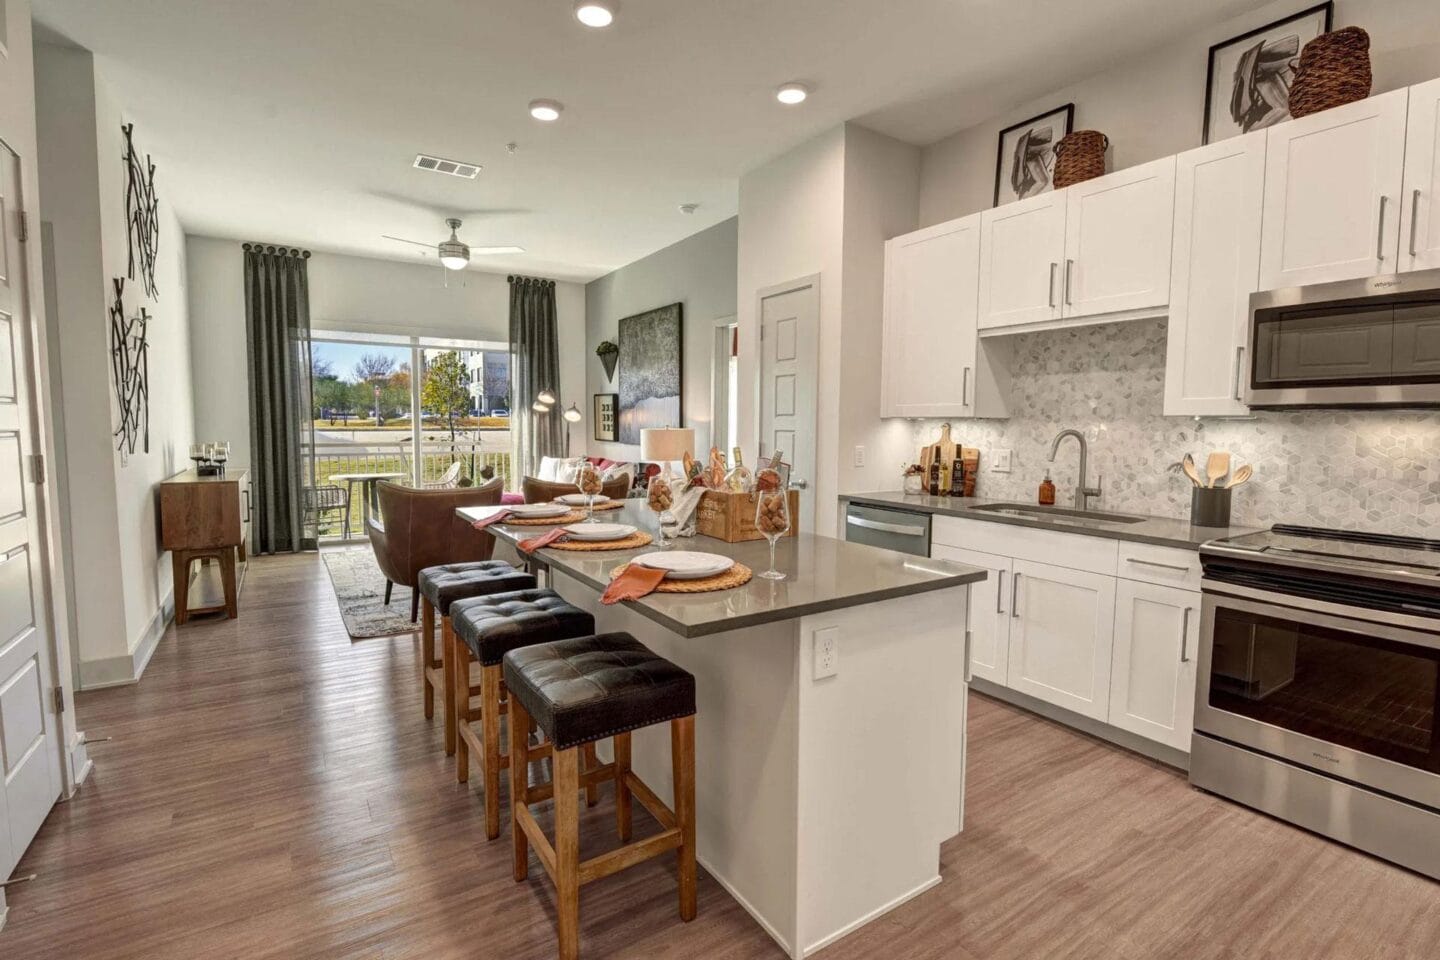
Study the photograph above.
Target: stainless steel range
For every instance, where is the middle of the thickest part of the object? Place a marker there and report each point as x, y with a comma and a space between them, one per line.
1319, 685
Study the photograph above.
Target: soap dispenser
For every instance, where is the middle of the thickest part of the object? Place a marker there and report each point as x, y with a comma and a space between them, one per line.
1047, 491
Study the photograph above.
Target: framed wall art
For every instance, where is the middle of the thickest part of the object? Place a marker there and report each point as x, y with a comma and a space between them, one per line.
607, 425
1025, 164
1247, 85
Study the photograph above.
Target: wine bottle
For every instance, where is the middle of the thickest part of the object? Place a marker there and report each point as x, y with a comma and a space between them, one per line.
739, 479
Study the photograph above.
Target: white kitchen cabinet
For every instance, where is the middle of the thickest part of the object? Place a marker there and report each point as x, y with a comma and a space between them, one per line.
1117, 241
1022, 248
988, 612
1214, 267
1061, 632
1420, 203
1152, 677
1332, 194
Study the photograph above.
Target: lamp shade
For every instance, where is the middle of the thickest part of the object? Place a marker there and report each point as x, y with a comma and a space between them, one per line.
665, 444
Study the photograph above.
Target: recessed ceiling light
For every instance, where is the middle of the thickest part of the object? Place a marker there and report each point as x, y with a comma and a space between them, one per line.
595, 13
689, 208
792, 93
547, 110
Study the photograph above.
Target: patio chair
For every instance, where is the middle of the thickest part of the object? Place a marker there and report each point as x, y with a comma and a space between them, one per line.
327, 499
448, 480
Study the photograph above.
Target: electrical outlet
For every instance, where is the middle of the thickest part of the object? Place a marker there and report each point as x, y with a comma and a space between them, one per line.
1001, 462
827, 652
859, 455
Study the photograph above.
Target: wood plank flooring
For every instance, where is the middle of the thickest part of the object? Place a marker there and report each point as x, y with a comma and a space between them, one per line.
272, 790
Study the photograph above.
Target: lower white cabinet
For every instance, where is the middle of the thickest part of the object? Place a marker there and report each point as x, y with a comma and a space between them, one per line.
988, 612
1152, 678
1061, 629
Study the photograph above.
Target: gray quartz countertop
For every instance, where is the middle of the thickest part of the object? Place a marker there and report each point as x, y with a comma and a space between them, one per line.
1157, 530
823, 574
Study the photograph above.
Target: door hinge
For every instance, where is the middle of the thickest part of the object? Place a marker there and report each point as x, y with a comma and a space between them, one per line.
24, 226
37, 468
59, 699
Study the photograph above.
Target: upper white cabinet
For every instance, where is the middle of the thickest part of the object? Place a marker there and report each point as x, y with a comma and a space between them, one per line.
1061, 631
1022, 249
1332, 194
1420, 204
1214, 268
1152, 680
1117, 241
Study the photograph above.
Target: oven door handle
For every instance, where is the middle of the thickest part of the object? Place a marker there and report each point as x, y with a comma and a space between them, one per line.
1318, 613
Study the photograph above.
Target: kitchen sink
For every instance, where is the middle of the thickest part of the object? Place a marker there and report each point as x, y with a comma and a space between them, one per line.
1057, 514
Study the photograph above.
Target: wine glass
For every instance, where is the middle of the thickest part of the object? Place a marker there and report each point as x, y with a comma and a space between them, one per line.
197, 453
222, 454
590, 484
772, 515
659, 498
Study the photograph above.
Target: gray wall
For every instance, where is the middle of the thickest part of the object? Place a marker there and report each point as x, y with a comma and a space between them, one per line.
699, 272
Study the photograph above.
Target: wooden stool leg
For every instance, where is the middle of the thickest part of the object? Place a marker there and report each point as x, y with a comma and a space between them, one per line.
180, 571
567, 850
592, 791
682, 758
460, 704
454, 664
622, 789
519, 784
427, 655
490, 717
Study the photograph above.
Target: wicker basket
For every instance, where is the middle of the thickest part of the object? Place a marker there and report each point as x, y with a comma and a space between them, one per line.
1080, 156
1334, 70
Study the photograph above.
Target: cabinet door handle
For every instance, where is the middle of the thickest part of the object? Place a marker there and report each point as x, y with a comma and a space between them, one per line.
1414, 223
965, 388
1014, 593
1239, 366
1000, 593
1185, 636
1162, 566
967, 656
1068, 265
1380, 230
1051, 289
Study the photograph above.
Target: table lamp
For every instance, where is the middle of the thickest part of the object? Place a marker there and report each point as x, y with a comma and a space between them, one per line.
665, 445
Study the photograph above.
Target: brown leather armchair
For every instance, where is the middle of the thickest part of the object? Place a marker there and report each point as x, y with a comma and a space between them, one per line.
543, 491
418, 529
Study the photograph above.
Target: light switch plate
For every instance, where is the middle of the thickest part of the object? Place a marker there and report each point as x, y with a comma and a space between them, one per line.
1001, 462
859, 455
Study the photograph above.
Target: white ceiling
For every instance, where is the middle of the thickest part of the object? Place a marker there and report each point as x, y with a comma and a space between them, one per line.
297, 120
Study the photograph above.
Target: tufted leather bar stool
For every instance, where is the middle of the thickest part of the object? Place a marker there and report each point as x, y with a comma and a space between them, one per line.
484, 630
439, 587
577, 692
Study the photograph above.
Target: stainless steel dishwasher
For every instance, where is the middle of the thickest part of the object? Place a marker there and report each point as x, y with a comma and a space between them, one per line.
903, 531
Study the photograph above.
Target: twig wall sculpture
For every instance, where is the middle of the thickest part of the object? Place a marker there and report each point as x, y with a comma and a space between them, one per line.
142, 214
130, 372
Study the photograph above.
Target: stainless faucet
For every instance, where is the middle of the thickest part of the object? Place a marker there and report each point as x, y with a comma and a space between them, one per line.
1083, 493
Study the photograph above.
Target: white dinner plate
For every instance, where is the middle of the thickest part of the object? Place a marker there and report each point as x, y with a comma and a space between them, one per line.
599, 531
578, 499
686, 564
535, 511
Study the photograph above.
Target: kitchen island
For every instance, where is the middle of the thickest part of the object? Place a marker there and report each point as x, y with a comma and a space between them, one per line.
821, 801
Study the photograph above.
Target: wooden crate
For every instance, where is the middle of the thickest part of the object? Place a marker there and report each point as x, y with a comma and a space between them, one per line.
731, 516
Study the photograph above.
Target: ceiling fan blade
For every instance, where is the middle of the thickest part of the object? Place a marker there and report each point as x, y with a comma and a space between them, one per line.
403, 240
494, 250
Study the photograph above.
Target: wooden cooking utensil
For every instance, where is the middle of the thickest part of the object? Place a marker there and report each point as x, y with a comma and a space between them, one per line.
1188, 465
1216, 466
1241, 475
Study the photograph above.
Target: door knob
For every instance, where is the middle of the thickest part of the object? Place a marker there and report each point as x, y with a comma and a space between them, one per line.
799, 484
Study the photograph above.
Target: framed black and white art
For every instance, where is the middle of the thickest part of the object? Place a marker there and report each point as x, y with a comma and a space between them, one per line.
1247, 86
1025, 165
607, 428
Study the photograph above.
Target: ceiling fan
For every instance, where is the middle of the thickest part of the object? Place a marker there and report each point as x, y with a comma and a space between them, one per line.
455, 253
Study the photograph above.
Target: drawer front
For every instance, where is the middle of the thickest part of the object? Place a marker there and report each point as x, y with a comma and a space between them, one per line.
1166, 566
1075, 551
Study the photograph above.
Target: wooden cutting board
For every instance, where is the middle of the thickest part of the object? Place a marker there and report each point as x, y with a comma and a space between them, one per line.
943, 450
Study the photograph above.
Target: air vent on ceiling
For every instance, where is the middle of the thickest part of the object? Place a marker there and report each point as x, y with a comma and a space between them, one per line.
454, 168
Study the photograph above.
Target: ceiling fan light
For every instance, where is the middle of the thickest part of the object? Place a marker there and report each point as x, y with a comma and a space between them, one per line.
454, 259
546, 396
546, 110
595, 13
572, 414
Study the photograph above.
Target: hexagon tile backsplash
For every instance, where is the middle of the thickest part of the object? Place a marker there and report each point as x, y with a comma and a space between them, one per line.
1369, 470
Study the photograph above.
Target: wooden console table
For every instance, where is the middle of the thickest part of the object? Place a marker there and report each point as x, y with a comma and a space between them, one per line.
204, 518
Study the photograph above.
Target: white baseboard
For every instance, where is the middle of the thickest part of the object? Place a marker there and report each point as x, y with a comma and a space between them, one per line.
745, 904
123, 671
880, 911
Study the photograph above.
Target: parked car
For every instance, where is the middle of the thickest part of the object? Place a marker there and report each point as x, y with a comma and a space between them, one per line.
502, 412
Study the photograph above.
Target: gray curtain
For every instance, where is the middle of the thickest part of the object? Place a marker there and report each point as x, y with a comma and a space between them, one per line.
282, 431
534, 366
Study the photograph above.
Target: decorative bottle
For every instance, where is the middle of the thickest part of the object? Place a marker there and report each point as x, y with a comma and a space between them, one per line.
1047, 491
739, 479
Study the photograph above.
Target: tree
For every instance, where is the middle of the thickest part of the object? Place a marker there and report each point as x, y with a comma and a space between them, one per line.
445, 390
332, 397
321, 369
373, 368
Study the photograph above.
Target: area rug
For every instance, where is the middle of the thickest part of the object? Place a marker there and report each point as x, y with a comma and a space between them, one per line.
360, 590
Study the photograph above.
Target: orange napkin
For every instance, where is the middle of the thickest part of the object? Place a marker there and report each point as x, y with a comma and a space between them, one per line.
544, 540
493, 518
633, 583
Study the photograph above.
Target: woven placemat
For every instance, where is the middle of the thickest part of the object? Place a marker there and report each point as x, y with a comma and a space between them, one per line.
637, 539
572, 517
736, 576
607, 505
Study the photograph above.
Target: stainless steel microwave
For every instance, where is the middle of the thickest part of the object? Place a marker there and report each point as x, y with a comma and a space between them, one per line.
1353, 343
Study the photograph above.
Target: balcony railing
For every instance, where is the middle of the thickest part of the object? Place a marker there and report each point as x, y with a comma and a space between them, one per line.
435, 458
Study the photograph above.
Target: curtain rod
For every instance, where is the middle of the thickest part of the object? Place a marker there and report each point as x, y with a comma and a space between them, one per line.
276, 248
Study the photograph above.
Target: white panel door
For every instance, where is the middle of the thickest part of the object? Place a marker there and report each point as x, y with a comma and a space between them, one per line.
931, 299
29, 729
1117, 241
1152, 679
1061, 624
988, 613
789, 328
1332, 194
1215, 266
1420, 205
1022, 245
